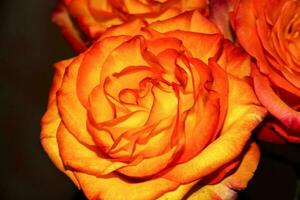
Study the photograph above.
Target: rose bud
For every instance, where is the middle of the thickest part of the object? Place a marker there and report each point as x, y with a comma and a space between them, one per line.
153, 111
269, 31
83, 21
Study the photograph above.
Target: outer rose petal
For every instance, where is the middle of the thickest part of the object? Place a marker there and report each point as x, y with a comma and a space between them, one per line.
289, 117
67, 101
61, 17
179, 193
112, 187
226, 189
51, 121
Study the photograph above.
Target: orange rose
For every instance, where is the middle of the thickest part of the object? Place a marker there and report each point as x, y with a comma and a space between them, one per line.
149, 111
269, 31
92, 17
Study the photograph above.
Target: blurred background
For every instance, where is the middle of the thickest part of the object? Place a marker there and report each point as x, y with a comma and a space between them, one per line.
29, 45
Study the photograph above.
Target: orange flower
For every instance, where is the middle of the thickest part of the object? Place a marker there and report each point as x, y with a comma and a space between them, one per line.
269, 31
92, 17
149, 111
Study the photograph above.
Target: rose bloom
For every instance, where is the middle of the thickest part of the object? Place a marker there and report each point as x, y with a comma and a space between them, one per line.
83, 21
270, 32
151, 111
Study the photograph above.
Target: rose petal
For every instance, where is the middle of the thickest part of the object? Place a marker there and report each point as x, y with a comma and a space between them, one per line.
206, 47
289, 117
114, 187
83, 158
61, 18
90, 68
73, 114
220, 13
188, 21
179, 193
150, 166
235, 61
51, 121
93, 28
275, 132
128, 28
245, 28
226, 189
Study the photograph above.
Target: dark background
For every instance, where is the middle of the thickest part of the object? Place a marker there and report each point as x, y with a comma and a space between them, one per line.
29, 45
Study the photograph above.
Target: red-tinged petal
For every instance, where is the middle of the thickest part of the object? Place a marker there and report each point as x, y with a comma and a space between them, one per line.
283, 83
275, 132
288, 116
114, 187
271, 132
220, 14
67, 2
245, 27
61, 18
264, 33
72, 113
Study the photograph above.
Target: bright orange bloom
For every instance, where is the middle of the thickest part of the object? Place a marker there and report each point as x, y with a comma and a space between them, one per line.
151, 110
270, 32
83, 21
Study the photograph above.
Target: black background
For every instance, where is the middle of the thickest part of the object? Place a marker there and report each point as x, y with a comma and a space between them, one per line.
29, 45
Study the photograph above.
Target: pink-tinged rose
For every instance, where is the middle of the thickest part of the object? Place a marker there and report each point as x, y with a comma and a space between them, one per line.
270, 32
150, 111
220, 12
83, 21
